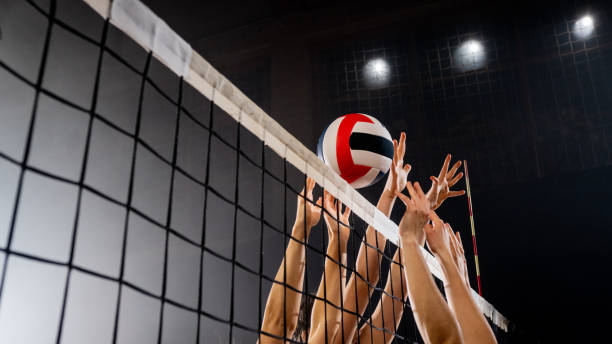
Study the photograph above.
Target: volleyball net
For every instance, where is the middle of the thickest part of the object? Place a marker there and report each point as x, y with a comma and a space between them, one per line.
145, 198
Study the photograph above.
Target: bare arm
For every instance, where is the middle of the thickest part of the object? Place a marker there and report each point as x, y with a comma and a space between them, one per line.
445, 246
282, 299
434, 319
389, 311
357, 292
326, 313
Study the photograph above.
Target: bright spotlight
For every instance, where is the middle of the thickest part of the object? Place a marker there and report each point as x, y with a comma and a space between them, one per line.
583, 28
377, 73
470, 56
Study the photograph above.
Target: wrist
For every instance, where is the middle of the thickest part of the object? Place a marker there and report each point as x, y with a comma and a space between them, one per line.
300, 230
444, 257
432, 198
388, 194
409, 239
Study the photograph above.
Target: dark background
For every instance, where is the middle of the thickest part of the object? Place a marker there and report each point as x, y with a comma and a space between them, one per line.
534, 123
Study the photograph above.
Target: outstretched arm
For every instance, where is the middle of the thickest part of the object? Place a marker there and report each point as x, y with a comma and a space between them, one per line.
367, 267
434, 319
283, 299
445, 246
390, 308
326, 311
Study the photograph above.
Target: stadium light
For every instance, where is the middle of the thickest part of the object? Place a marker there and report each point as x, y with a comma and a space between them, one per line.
470, 55
377, 73
584, 27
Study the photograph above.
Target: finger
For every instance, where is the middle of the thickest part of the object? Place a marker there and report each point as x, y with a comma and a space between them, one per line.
434, 182
329, 202
310, 184
411, 191
445, 225
456, 179
419, 191
347, 212
460, 242
318, 207
332, 199
445, 167
407, 168
428, 227
456, 193
434, 218
449, 232
453, 169
402, 145
395, 157
454, 241
309, 187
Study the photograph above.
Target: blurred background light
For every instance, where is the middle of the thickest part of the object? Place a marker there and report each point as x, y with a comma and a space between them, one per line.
584, 27
377, 73
470, 56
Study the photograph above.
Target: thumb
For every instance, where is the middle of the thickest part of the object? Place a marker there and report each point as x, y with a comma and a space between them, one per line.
428, 228
347, 212
407, 168
434, 182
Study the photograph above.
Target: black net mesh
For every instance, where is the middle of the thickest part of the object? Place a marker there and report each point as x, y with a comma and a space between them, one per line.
134, 210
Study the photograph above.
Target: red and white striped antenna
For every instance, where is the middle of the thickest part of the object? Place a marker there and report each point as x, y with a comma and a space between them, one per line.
469, 198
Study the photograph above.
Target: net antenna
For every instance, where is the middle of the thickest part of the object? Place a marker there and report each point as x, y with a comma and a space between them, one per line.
470, 209
153, 34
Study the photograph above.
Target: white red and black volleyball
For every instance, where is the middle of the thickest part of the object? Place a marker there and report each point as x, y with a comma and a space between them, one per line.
358, 147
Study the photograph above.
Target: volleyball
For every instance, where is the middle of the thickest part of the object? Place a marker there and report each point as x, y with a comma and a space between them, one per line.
358, 147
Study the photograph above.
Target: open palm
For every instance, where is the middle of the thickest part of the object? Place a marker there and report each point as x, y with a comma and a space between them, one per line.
440, 187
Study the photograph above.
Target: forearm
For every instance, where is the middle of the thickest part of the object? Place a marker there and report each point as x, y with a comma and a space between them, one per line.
327, 306
369, 257
282, 299
433, 317
390, 308
396, 293
358, 289
473, 324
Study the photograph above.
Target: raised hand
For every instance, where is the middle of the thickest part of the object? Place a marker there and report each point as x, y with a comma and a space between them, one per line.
458, 254
396, 182
440, 186
416, 215
438, 238
311, 213
331, 205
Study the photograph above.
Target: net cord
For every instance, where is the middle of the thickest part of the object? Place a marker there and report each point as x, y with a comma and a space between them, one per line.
207, 80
